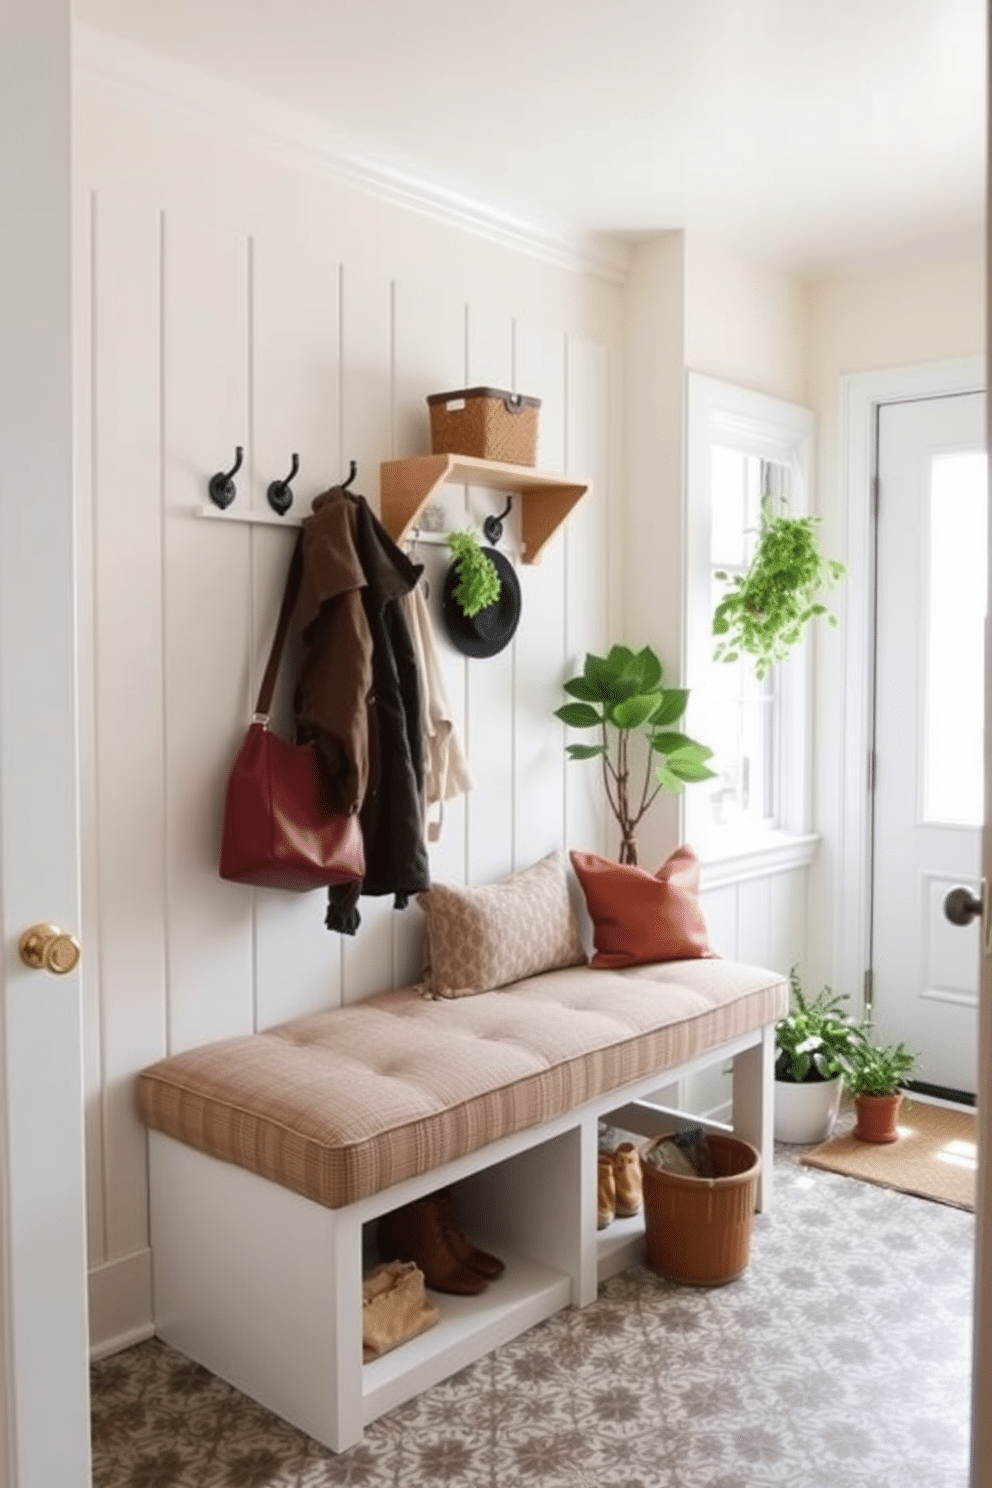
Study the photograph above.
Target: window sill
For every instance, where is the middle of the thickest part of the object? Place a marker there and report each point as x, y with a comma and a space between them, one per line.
754, 855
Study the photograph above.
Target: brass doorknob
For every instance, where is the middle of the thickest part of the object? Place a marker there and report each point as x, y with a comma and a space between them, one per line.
47, 948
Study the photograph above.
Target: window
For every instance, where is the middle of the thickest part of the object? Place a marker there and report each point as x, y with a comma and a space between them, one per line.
742, 448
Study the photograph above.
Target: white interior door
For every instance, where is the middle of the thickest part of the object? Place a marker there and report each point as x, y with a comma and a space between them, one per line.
929, 728
44, 1402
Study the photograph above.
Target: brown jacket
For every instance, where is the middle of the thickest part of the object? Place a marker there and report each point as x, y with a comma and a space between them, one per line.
359, 693
335, 691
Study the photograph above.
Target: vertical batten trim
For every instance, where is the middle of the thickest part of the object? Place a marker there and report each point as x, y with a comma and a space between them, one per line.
514, 700
566, 567
392, 369
392, 453
467, 690
250, 471
466, 668
94, 464
163, 590
252, 636
340, 272
340, 275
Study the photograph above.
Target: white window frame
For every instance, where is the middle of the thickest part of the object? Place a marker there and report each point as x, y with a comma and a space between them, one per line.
720, 413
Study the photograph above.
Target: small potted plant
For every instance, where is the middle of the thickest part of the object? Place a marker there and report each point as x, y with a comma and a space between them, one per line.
478, 581
622, 696
876, 1080
817, 1046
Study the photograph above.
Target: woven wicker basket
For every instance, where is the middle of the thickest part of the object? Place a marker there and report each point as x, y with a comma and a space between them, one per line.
698, 1230
488, 423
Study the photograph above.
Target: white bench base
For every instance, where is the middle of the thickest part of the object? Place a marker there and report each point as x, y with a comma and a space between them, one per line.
263, 1286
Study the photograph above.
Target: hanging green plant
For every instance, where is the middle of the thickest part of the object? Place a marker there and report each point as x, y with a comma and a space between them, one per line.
478, 582
766, 610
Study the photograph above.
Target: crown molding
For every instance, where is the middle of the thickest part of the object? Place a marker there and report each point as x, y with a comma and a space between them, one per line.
303, 141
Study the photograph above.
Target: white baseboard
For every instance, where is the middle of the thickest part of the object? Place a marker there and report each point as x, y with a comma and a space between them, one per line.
120, 1301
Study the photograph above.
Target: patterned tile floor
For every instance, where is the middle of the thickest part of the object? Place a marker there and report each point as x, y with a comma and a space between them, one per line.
840, 1359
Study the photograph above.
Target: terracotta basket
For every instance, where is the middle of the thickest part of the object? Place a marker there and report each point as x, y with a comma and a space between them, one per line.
489, 423
698, 1230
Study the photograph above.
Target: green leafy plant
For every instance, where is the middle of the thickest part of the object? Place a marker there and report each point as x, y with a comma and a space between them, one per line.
621, 695
478, 582
880, 1069
766, 610
816, 1040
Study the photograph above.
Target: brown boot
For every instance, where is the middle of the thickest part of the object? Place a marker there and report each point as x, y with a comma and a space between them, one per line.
606, 1193
416, 1233
627, 1180
461, 1247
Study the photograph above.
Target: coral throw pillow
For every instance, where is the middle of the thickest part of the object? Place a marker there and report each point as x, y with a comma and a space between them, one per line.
638, 916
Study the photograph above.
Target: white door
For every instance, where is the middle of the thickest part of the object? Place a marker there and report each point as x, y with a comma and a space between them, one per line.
929, 728
44, 1401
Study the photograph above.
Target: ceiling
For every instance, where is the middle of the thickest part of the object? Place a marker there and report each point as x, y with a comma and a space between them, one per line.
805, 133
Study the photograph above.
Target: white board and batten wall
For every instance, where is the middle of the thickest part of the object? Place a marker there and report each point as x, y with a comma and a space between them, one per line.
194, 340
197, 332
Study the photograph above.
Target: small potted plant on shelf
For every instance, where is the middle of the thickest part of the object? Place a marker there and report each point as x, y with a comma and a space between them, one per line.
766, 610
817, 1046
876, 1082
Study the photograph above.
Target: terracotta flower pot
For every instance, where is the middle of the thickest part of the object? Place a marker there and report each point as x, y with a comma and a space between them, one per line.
878, 1117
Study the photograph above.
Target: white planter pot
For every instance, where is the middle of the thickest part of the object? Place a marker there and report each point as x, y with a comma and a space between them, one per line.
806, 1113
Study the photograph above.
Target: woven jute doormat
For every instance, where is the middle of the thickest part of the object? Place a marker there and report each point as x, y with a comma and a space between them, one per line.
934, 1155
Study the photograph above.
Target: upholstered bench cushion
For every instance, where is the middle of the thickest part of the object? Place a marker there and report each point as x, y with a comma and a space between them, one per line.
344, 1103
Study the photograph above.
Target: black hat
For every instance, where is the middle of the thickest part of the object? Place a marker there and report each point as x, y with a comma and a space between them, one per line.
490, 629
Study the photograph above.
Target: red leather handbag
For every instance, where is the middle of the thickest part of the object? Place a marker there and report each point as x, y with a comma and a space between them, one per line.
281, 829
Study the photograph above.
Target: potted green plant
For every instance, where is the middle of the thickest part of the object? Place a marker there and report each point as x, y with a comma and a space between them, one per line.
766, 609
478, 582
621, 695
876, 1082
816, 1049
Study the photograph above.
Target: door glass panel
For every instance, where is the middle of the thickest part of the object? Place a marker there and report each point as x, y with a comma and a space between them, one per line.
953, 720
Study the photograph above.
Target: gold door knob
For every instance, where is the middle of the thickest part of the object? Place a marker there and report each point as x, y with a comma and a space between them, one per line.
47, 948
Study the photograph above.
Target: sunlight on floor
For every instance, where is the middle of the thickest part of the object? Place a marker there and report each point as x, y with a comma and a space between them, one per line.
959, 1154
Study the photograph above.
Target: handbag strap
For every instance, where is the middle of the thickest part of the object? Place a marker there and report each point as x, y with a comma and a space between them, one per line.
289, 596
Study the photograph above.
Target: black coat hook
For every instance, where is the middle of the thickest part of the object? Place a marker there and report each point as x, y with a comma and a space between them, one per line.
279, 494
352, 472
222, 487
493, 526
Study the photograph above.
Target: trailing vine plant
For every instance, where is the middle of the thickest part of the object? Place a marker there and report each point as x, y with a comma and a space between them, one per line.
766, 609
478, 581
621, 695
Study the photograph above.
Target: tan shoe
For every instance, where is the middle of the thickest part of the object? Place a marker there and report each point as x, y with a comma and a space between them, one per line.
606, 1194
627, 1180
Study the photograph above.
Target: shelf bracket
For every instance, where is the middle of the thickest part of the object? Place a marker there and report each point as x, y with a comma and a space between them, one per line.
546, 498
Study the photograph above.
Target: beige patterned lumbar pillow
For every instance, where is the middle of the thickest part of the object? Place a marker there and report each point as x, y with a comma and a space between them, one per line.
480, 938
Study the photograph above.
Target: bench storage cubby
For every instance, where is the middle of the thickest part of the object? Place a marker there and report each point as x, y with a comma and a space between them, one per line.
272, 1157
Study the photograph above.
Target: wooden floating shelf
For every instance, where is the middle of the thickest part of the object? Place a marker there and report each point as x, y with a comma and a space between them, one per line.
547, 497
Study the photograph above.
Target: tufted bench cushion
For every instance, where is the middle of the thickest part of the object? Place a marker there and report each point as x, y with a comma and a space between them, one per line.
344, 1103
